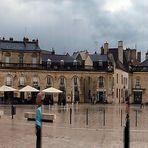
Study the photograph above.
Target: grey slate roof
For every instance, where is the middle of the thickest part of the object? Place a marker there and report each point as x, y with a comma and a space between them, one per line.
98, 57
144, 63
57, 58
114, 52
18, 45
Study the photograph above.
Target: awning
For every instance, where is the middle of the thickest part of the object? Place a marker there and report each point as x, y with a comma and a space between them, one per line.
5, 88
28, 89
51, 90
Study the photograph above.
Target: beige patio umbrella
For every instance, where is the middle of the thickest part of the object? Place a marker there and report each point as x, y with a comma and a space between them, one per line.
5, 88
51, 90
28, 89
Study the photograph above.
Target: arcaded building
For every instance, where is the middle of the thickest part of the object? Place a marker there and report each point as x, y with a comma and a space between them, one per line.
107, 75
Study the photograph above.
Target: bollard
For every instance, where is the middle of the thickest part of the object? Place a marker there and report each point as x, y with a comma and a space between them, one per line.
104, 117
12, 110
121, 117
87, 116
70, 114
136, 118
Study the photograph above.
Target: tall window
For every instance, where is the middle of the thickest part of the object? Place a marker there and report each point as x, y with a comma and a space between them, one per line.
101, 81
117, 78
21, 59
9, 81
137, 85
121, 79
7, 61
75, 80
49, 81
22, 81
62, 81
117, 92
34, 60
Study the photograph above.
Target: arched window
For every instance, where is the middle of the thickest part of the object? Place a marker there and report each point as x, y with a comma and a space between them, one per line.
75, 80
62, 81
49, 81
35, 81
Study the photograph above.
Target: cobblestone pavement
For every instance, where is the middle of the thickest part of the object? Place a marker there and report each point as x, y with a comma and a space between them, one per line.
20, 133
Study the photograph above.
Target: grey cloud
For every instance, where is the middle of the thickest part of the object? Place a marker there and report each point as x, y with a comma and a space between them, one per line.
74, 24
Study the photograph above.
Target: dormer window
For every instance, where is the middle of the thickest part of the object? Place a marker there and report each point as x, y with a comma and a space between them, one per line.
100, 63
75, 62
61, 62
48, 62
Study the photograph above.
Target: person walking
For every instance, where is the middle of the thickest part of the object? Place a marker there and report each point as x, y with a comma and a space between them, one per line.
38, 120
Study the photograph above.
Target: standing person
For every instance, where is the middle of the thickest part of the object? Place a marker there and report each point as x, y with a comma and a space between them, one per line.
38, 119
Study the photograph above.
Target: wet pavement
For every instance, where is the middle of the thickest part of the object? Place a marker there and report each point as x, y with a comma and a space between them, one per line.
92, 126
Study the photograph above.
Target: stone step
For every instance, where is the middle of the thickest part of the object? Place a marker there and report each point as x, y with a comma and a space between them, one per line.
47, 117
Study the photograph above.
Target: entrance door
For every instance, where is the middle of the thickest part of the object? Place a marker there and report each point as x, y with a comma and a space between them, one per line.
101, 97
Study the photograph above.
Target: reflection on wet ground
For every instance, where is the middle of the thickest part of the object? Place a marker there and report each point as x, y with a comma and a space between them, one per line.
90, 126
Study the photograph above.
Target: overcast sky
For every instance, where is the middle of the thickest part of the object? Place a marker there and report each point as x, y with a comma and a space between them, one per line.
71, 25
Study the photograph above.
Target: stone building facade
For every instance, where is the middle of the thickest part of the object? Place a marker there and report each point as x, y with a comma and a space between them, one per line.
83, 77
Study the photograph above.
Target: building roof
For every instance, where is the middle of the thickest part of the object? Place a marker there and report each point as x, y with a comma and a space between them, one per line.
114, 52
119, 65
144, 63
98, 57
19, 45
57, 58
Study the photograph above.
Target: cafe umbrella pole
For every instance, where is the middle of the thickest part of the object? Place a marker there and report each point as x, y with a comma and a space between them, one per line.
12, 108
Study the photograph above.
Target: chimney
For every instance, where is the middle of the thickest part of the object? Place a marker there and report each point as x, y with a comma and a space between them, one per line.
25, 39
10, 39
133, 54
102, 50
106, 47
139, 56
37, 42
52, 51
120, 51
